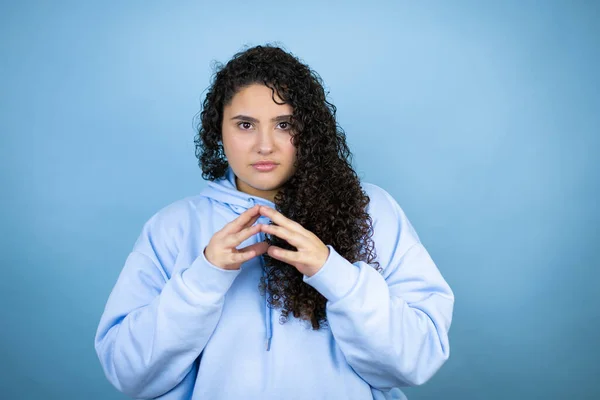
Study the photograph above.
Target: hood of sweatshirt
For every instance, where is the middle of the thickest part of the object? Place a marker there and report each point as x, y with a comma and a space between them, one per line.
224, 190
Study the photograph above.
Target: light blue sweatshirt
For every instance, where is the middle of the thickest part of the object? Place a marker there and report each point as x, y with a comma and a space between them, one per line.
177, 327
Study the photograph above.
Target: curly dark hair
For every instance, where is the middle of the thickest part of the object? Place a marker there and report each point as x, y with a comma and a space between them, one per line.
324, 195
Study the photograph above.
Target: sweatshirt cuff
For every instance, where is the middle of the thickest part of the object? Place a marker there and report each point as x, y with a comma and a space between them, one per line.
336, 278
204, 277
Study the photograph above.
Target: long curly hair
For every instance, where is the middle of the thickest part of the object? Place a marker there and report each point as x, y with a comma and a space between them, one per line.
324, 195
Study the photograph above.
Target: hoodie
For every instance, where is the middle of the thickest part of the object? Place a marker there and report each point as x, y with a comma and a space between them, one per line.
177, 327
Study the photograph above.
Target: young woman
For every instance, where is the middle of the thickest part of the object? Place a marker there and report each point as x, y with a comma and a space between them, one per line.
287, 277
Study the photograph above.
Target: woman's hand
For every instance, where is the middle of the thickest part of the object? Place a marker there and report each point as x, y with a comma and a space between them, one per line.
312, 252
222, 250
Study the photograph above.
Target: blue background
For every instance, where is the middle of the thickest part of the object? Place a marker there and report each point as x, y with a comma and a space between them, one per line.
480, 118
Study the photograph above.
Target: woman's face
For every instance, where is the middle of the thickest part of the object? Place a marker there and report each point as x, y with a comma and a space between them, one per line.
256, 129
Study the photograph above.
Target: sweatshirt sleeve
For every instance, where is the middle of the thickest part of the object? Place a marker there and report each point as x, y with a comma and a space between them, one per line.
392, 327
155, 325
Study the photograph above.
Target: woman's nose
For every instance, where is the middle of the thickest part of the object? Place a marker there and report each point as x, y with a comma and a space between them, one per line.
265, 142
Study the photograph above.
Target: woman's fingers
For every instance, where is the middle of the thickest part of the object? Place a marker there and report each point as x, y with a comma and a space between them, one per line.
236, 239
280, 219
248, 252
288, 256
222, 249
252, 221
253, 250
240, 222
292, 238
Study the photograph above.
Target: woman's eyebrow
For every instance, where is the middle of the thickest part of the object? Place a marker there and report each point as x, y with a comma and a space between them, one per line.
252, 119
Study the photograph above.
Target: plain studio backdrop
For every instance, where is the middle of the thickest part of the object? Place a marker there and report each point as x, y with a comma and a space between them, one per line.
480, 118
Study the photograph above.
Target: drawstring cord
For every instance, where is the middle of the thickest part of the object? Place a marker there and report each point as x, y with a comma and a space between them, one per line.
268, 310
269, 331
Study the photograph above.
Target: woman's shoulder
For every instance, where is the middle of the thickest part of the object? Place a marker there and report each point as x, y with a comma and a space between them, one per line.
387, 214
179, 213
381, 202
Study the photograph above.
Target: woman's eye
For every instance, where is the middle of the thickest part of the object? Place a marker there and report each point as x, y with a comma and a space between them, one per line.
245, 125
285, 125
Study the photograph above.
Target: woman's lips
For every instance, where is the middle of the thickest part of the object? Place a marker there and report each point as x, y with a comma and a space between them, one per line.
264, 167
